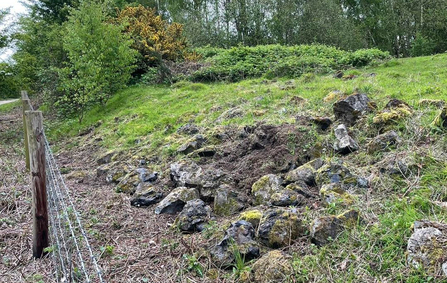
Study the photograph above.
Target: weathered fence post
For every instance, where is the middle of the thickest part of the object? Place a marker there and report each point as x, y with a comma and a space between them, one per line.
36, 143
26, 105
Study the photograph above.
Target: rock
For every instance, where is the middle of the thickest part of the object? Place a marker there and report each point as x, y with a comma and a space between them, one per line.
441, 119
345, 144
176, 200
147, 176
333, 95
395, 110
383, 142
322, 122
193, 176
432, 102
403, 164
112, 172
350, 109
338, 75
334, 193
337, 173
265, 187
188, 129
208, 151
253, 216
427, 247
305, 173
280, 227
287, 198
193, 145
230, 114
194, 216
146, 195
227, 201
128, 183
325, 229
238, 237
274, 266
106, 158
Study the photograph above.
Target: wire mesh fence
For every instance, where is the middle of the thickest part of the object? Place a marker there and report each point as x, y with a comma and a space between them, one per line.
74, 259
73, 256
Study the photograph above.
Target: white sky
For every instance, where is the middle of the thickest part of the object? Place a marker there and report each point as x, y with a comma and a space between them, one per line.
16, 9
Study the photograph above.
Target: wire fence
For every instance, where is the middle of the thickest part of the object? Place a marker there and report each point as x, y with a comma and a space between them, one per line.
73, 257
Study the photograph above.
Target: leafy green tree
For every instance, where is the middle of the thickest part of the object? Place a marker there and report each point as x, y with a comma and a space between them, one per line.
3, 32
100, 59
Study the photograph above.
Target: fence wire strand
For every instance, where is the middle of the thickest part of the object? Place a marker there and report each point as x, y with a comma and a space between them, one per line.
75, 260
67, 233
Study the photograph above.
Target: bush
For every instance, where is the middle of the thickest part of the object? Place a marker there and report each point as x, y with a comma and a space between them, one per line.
242, 62
422, 46
100, 60
9, 85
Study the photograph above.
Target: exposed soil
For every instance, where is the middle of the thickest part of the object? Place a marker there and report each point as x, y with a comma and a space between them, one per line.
265, 149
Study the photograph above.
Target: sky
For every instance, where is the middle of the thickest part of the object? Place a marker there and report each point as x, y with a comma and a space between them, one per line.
16, 9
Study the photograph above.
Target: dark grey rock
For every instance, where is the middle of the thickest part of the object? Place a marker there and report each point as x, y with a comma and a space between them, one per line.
194, 216
193, 176
240, 236
146, 196
188, 129
176, 200
147, 176
193, 145
383, 142
350, 109
305, 173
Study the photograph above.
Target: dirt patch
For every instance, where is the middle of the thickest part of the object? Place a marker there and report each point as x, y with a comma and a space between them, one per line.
262, 150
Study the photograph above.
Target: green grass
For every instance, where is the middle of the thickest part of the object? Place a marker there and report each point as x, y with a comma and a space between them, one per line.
152, 113
373, 252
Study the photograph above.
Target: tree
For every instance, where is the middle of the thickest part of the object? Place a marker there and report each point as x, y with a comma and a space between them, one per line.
3, 32
100, 59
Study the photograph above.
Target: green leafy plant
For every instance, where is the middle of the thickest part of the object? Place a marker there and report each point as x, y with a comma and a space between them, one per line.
100, 60
193, 264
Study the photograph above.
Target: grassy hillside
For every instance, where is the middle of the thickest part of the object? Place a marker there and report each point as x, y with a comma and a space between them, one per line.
151, 114
145, 120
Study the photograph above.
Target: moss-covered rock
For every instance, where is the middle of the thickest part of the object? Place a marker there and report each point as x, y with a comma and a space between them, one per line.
383, 142
305, 173
427, 247
228, 201
265, 187
129, 183
394, 111
325, 229
334, 193
253, 216
441, 119
280, 227
274, 266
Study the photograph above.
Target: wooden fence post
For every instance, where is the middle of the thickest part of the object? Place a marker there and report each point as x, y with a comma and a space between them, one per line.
26, 106
36, 143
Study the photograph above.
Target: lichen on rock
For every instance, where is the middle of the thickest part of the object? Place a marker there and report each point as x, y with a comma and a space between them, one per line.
274, 266
279, 227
